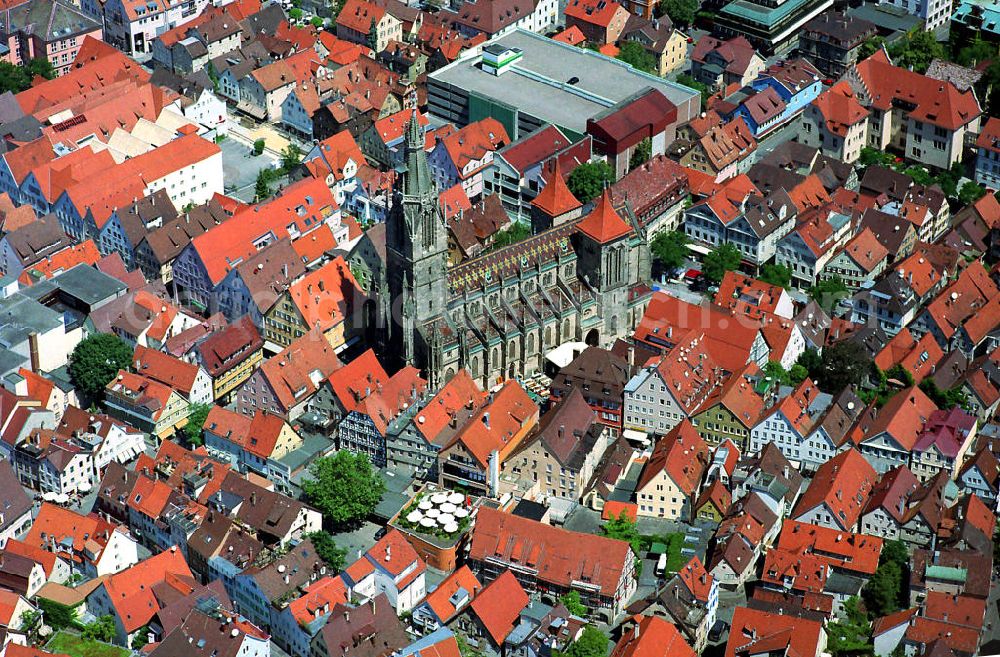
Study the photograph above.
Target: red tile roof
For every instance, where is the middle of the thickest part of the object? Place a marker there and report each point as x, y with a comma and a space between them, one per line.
652, 637
747, 295
615, 509
473, 142
866, 250
756, 632
131, 590
357, 380
440, 599
902, 417
682, 455
697, 580
918, 357
555, 199
499, 604
290, 372
603, 224
460, 391
163, 368
840, 108
571, 35
989, 138
560, 556
857, 553
358, 15
326, 296
225, 349
843, 484
936, 102
501, 425
61, 526
595, 12
318, 599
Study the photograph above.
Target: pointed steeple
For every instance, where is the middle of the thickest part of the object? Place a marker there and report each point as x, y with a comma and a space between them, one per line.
555, 199
604, 224
417, 181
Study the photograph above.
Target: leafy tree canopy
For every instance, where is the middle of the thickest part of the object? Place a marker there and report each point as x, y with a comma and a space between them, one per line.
634, 53
670, 248
344, 487
102, 629
571, 600
643, 151
623, 529
587, 180
828, 292
328, 550
681, 12
725, 257
592, 643
195, 423
95, 362
844, 363
970, 193
779, 275
916, 50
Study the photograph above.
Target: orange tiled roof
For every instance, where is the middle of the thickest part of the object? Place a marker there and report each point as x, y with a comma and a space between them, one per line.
682, 455
555, 199
653, 637
131, 590
318, 599
473, 142
936, 102
843, 484
440, 599
840, 108
327, 296
499, 605
603, 224
499, 425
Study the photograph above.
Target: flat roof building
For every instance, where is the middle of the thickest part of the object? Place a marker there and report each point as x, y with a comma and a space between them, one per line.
772, 27
525, 80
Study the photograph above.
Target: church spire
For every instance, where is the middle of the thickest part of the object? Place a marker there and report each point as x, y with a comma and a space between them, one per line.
418, 180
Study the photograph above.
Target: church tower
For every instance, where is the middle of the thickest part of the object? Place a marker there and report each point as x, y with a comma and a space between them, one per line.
416, 252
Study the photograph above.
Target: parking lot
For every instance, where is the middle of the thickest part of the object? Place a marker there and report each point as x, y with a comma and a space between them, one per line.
240, 168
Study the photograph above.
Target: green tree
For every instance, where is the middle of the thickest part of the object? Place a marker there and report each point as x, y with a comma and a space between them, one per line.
29, 619
41, 66
291, 157
623, 529
344, 487
872, 156
900, 373
828, 292
946, 399
797, 374
641, 154
850, 635
515, 233
258, 146
265, 178
295, 14
779, 275
57, 616
948, 179
670, 248
571, 600
700, 87
916, 50
95, 362
777, 372
870, 46
634, 53
196, 421
13, 78
588, 180
970, 193
592, 643
681, 12
316, 21
844, 363
725, 257
976, 52
919, 174
102, 629
811, 361
328, 550
141, 638
881, 593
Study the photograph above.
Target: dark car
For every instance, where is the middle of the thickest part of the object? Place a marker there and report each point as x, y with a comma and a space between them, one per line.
720, 627
381, 532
